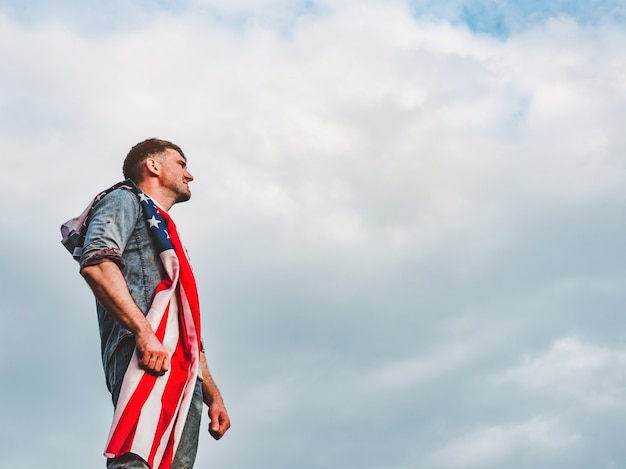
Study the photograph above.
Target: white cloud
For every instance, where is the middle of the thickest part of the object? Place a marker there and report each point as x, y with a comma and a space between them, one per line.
493, 446
591, 375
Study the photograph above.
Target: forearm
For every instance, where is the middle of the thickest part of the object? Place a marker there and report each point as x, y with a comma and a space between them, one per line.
220, 421
210, 392
110, 289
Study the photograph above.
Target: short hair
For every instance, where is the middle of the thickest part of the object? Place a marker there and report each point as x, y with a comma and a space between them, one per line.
138, 154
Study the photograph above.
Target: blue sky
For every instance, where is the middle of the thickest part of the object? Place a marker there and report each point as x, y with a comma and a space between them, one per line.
406, 224
499, 18
502, 18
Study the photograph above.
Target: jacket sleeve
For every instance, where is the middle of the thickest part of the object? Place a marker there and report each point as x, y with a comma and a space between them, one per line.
109, 228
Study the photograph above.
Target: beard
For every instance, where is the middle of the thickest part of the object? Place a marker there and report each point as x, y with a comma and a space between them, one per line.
183, 197
181, 191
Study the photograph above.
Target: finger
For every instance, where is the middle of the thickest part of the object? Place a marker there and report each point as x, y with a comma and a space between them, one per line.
163, 363
158, 366
145, 360
215, 433
219, 425
214, 426
149, 363
152, 362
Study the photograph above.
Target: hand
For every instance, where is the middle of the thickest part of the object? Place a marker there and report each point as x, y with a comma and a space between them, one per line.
220, 422
152, 355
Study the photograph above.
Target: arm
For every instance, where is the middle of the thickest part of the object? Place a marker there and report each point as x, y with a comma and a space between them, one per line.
220, 422
110, 289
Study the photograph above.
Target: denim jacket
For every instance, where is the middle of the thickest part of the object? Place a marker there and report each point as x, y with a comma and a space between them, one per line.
118, 232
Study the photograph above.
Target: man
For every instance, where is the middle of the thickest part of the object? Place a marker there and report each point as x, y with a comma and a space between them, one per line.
149, 321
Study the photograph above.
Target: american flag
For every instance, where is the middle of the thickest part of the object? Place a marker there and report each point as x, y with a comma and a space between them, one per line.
151, 410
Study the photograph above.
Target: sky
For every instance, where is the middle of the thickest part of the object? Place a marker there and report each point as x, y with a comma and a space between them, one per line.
407, 224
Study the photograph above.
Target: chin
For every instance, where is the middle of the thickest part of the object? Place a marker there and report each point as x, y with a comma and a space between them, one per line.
183, 197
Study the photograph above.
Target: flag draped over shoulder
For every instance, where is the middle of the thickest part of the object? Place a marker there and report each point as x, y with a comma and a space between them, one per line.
151, 410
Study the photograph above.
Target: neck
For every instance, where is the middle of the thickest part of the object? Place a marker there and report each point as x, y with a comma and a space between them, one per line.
157, 193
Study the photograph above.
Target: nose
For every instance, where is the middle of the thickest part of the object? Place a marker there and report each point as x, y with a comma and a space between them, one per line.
188, 175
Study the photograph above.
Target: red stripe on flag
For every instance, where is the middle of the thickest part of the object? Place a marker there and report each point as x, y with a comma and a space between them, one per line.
123, 437
168, 455
187, 279
177, 378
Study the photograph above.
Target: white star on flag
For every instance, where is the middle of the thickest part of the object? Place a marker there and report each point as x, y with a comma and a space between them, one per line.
154, 223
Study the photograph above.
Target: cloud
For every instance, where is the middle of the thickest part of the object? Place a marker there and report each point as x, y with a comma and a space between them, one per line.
491, 446
571, 369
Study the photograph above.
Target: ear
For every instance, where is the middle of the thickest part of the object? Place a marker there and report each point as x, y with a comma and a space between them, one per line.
152, 167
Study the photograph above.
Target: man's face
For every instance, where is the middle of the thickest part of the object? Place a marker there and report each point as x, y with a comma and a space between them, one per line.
175, 176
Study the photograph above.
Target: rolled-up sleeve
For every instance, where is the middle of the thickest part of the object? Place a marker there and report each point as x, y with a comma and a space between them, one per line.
111, 225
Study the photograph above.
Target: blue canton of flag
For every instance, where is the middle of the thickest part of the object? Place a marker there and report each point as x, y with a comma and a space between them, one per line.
158, 224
